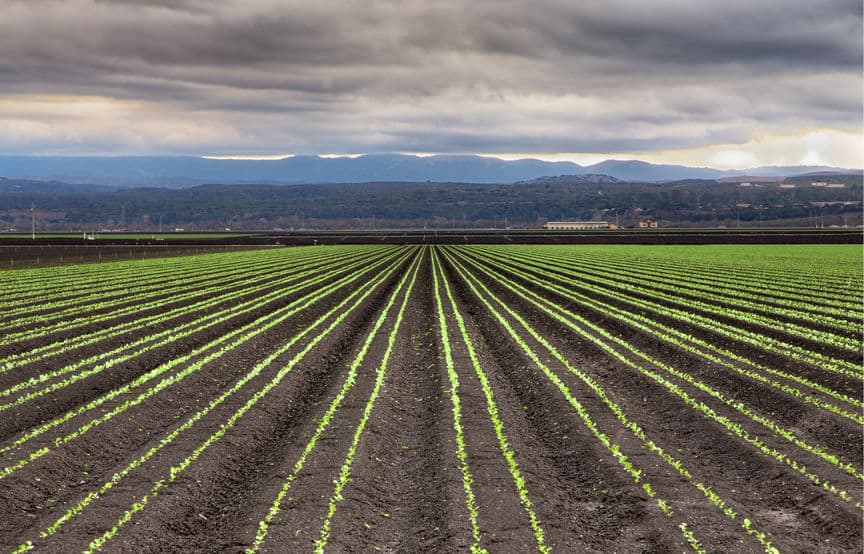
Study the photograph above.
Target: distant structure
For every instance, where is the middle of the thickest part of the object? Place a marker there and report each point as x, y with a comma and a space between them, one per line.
578, 225
648, 223
745, 184
786, 185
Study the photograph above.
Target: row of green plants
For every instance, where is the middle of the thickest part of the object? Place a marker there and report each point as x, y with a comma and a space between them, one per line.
763, 341
458, 429
344, 475
613, 447
186, 365
215, 305
227, 274
165, 319
54, 280
718, 291
324, 422
700, 311
86, 318
778, 279
314, 333
694, 345
128, 352
605, 340
487, 297
491, 410
62, 301
826, 269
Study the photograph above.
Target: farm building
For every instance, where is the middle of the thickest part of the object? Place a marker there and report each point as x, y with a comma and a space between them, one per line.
648, 223
578, 225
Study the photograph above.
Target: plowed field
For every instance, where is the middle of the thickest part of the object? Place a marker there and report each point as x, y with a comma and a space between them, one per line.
436, 399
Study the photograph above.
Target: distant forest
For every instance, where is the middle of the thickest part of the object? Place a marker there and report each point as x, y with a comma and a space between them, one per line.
430, 205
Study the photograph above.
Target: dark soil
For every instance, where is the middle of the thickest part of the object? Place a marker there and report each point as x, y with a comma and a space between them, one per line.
49, 252
405, 492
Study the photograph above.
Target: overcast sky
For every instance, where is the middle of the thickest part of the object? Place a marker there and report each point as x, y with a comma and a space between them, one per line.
734, 83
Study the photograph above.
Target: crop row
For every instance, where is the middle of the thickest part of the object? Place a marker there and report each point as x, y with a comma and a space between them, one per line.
182, 366
632, 296
706, 350
662, 296
173, 279
53, 282
511, 321
776, 280
644, 365
313, 334
606, 341
716, 289
153, 300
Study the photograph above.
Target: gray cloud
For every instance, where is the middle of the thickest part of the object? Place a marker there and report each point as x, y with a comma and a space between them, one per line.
449, 76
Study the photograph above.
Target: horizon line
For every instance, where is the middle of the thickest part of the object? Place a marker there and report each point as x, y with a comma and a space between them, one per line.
501, 157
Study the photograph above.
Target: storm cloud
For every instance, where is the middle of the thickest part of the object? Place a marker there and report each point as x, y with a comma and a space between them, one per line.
267, 76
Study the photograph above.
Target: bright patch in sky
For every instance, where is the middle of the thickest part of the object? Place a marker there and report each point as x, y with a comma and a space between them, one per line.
822, 147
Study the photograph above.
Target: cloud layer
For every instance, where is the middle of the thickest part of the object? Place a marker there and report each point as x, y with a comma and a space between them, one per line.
265, 76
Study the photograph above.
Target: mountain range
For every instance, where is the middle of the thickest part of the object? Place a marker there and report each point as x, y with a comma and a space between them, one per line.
183, 171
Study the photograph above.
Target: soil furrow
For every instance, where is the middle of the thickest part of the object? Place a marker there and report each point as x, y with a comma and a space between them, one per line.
810, 422
401, 495
840, 383
781, 498
97, 518
217, 502
433, 399
104, 448
591, 497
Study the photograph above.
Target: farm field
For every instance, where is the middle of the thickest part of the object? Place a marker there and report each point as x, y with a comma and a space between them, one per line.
125, 236
28, 257
436, 399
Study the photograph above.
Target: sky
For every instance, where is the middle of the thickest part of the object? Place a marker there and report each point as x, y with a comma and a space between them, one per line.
730, 84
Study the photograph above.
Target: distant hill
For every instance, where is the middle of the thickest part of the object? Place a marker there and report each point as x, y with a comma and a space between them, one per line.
571, 180
634, 170
185, 171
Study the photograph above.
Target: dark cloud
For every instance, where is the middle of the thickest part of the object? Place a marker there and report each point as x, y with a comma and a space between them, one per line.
760, 34
449, 76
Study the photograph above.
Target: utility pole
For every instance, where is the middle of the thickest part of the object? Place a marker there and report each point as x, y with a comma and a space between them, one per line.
33, 220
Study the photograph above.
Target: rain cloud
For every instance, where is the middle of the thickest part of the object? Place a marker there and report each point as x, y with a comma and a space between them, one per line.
266, 76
